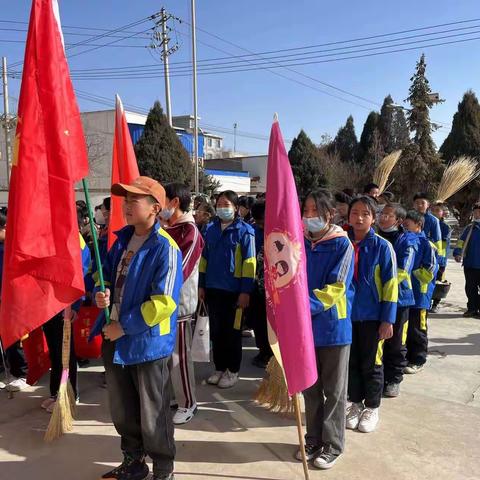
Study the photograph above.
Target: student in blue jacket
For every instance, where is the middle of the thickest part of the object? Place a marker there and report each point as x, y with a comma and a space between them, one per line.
329, 256
468, 252
424, 271
144, 271
227, 276
405, 247
373, 314
431, 227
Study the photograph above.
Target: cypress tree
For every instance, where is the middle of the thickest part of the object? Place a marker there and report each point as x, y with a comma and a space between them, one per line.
369, 145
346, 143
304, 159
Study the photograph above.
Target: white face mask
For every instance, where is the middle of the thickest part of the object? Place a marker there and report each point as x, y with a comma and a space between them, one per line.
167, 213
393, 228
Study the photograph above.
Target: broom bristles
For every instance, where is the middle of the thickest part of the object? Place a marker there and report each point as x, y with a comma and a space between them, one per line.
273, 393
384, 169
62, 416
456, 176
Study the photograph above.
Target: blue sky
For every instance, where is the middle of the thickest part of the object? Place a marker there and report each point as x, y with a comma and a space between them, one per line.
250, 98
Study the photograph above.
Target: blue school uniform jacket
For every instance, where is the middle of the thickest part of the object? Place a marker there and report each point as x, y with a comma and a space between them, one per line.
148, 313
330, 274
375, 280
433, 232
405, 245
468, 246
446, 232
228, 260
425, 268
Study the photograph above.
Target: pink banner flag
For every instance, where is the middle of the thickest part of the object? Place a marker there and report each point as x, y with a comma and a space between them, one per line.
288, 306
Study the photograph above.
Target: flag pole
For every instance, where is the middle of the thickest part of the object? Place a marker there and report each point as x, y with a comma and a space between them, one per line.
298, 416
95, 245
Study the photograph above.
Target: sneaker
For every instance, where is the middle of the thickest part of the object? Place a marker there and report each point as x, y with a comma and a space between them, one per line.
17, 385
311, 451
130, 469
391, 390
168, 476
184, 415
411, 369
434, 309
47, 402
2, 385
369, 420
469, 314
247, 333
215, 378
325, 460
354, 412
228, 380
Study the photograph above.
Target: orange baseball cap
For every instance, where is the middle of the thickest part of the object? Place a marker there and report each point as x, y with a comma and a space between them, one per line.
141, 186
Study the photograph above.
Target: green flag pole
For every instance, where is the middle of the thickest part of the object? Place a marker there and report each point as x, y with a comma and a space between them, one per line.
95, 244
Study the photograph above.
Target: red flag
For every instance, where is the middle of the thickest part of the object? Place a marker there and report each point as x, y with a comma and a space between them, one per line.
124, 168
288, 305
42, 271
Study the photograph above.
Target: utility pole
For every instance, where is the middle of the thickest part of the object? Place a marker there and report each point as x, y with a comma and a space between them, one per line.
235, 125
6, 119
166, 69
195, 102
160, 39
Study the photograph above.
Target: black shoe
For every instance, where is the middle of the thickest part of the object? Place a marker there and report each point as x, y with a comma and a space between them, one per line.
391, 390
259, 362
325, 460
83, 362
168, 476
130, 469
470, 314
311, 451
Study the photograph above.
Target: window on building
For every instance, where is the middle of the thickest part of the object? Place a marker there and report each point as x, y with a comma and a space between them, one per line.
209, 142
219, 144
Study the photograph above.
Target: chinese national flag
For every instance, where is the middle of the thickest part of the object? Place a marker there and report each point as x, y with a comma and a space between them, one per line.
124, 168
42, 271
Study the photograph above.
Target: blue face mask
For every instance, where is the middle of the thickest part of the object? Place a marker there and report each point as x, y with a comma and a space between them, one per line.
226, 214
314, 224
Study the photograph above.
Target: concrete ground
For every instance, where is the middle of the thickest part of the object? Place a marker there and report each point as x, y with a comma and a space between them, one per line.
431, 431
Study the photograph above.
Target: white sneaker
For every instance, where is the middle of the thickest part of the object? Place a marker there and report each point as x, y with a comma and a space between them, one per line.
17, 385
354, 412
215, 378
2, 385
228, 379
47, 402
412, 369
184, 415
369, 420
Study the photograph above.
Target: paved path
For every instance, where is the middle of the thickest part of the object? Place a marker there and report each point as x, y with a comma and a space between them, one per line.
431, 431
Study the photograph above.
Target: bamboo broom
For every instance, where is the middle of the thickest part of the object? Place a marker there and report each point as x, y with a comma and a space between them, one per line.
273, 393
62, 415
457, 175
384, 169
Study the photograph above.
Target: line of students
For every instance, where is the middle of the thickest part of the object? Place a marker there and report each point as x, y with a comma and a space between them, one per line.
369, 297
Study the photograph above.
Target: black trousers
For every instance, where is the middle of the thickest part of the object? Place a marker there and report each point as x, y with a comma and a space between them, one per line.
326, 400
258, 319
417, 336
365, 377
139, 397
226, 337
472, 285
395, 348
15, 358
53, 331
